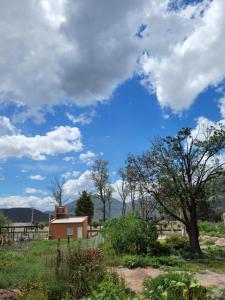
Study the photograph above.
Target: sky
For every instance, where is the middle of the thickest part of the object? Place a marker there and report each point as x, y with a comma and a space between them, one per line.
85, 80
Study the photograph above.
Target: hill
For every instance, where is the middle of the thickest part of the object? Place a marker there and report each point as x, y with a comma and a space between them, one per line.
116, 208
24, 215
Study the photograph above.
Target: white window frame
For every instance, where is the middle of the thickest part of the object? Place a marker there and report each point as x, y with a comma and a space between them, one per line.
69, 231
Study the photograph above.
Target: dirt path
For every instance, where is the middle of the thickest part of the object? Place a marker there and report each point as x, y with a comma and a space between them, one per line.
134, 278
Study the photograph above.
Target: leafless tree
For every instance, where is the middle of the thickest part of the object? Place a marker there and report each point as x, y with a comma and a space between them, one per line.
100, 177
123, 189
57, 189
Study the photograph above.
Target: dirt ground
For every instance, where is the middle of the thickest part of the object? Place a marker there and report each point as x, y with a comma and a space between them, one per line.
134, 278
8, 294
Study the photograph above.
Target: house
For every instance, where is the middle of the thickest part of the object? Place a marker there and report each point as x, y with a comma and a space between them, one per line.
63, 226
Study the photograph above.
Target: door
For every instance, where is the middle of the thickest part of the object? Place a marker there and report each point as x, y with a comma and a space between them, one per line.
69, 231
80, 232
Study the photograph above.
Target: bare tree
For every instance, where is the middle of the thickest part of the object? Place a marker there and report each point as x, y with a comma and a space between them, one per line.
131, 181
57, 189
108, 193
100, 177
146, 202
123, 189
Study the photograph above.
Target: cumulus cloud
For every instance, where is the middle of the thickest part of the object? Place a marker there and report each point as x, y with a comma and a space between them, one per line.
6, 127
30, 190
222, 107
193, 61
88, 157
84, 118
60, 140
37, 177
73, 187
81, 51
69, 175
44, 204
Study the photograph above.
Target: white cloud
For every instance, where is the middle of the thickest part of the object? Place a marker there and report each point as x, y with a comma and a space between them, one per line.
222, 107
44, 204
30, 190
74, 186
84, 118
81, 51
37, 177
88, 157
60, 140
69, 175
6, 127
193, 60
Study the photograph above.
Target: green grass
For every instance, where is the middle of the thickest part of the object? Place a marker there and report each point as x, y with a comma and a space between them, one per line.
212, 229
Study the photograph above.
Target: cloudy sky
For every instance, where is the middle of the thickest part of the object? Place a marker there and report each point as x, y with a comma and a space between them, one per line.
87, 79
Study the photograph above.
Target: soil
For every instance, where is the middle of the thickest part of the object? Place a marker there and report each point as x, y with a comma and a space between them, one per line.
8, 294
135, 277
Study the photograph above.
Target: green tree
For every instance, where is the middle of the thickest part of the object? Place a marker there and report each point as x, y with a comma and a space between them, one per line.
3, 220
84, 206
181, 172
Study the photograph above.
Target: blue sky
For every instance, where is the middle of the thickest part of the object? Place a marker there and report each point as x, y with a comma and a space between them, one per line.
78, 84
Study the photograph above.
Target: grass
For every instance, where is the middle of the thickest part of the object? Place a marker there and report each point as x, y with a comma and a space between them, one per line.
212, 229
29, 261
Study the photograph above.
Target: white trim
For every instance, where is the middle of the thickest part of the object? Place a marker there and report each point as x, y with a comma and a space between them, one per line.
69, 220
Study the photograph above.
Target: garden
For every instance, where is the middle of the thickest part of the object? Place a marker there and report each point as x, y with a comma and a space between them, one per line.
105, 267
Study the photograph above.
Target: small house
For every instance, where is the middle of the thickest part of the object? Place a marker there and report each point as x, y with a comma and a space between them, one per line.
63, 226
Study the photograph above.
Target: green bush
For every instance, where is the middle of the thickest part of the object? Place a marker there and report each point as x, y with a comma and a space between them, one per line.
85, 271
111, 288
177, 244
135, 261
130, 235
174, 286
212, 229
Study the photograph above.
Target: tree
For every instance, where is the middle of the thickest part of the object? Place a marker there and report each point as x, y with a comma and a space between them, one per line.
3, 219
57, 189
100, 177
123, 189
84, 206
182, 171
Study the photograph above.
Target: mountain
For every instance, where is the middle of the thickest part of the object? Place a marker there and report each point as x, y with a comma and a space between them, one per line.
116, 208
24, 215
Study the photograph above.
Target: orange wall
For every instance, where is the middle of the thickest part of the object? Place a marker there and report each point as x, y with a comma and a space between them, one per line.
59, 230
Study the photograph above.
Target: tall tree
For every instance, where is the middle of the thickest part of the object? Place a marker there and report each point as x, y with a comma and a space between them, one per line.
131, 181
100, 177
57, 189
123, 189
182, 171
84, 206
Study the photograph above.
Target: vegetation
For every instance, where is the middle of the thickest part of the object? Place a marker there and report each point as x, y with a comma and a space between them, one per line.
3, 220
212, 229
174, 286
130, 235
100, 177
181, 172
112, 287
84, 206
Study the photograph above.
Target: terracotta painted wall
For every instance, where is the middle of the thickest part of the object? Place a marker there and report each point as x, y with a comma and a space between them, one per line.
60, 230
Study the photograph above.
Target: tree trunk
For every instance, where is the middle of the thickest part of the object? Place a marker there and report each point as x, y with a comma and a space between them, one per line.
104, 211
193, 234
123, 208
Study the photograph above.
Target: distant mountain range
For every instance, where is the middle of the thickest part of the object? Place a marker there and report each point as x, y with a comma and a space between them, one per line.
115, 211
24, 215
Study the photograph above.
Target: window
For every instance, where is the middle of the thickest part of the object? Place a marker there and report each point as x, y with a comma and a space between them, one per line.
69, 231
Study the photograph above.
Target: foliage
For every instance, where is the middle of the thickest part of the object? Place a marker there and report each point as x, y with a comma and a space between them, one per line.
135, 261
216, 251
85, 271
3, 220
84, 206
212, 229
177, 174
174, 286
177, 244
130, 235
112, 287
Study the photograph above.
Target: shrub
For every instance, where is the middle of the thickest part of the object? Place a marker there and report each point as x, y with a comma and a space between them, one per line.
135, 261
85, 271
177, 244
174, 286
212, 229
112, 287
130, 234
